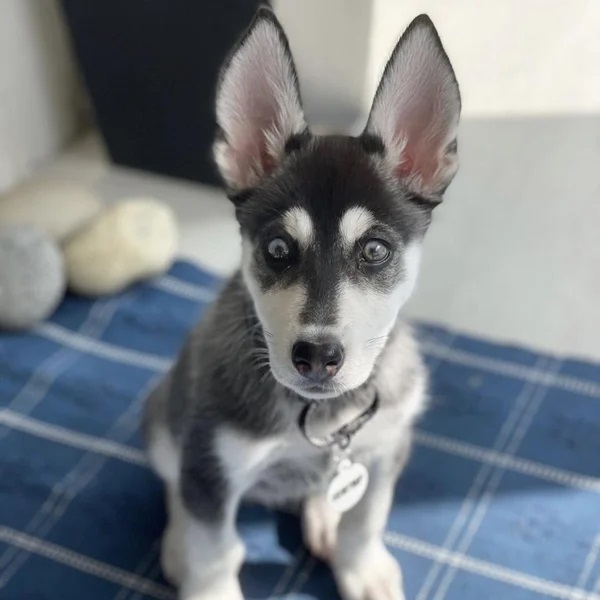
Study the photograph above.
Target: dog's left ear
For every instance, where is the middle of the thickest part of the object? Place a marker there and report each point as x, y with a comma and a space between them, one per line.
416, 111
258, 104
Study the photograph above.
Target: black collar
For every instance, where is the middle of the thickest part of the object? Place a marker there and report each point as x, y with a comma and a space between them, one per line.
343, 436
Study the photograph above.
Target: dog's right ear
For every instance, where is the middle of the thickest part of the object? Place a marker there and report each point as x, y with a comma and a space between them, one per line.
258, 104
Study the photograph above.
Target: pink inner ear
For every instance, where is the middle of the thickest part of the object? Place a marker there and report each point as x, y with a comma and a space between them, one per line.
248, 130
419, 158
423, 133
258, 107
249, 160
405, 168
268, 162
416, 110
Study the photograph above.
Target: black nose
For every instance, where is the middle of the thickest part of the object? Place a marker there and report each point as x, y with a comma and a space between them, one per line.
317, 362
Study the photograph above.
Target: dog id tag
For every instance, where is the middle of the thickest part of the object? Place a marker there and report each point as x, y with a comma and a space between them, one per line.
348, 485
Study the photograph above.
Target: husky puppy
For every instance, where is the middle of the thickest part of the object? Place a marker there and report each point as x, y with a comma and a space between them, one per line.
332, 228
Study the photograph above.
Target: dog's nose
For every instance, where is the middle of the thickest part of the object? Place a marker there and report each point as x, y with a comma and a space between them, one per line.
318, 362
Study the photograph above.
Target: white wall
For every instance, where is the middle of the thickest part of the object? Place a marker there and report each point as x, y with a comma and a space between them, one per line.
330, 41
511, 56
40, 96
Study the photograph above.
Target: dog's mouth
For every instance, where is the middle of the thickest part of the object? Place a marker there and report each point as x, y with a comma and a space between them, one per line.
316, 391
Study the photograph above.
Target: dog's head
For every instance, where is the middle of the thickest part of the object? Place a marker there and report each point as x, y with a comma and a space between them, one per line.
332, 226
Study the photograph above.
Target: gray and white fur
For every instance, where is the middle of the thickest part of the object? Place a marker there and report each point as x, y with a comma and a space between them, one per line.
331, 228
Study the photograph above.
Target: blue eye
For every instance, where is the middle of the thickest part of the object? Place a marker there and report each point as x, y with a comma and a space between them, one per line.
278, 249
375, 252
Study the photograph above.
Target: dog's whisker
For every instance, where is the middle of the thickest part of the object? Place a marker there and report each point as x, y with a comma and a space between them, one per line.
376, 340
265, 375
259, 360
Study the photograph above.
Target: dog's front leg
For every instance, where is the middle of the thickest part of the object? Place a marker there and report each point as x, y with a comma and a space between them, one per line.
202, 553
202, 542
363, 567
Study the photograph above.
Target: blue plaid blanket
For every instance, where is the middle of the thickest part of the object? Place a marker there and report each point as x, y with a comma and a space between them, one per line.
501, 499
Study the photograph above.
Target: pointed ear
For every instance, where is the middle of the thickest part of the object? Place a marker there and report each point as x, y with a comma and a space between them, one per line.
258, 104
416, 111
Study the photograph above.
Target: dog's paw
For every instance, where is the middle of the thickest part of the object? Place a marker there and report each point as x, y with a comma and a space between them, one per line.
171, 557
374, 575
319, 527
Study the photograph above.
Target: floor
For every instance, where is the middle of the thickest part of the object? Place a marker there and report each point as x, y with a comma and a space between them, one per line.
513, 253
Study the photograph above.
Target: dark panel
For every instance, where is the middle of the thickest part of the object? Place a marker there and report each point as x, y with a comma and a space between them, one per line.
151, 67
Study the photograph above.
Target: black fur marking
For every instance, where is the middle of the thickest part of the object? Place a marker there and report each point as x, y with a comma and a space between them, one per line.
423, 202
204, 488
452, 147
372, 144
240, 197
297, 141
321, 277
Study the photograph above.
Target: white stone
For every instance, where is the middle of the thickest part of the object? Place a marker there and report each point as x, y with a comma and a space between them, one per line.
56, 208
132, 240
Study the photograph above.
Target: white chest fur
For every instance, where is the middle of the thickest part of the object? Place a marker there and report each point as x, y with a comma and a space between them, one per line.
285, 468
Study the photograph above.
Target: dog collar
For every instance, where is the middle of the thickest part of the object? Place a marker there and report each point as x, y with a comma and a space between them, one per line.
343, 436
350, 480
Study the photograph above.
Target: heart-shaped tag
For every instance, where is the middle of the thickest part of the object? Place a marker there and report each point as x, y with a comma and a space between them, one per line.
348, 486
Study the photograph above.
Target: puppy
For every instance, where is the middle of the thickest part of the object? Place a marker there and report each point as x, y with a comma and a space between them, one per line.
301, 368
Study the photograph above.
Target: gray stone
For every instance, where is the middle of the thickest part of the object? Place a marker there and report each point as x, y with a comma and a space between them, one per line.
32, 277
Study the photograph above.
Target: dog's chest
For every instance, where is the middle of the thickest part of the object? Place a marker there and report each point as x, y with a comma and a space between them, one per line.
294, 468
285, 468
292, 472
